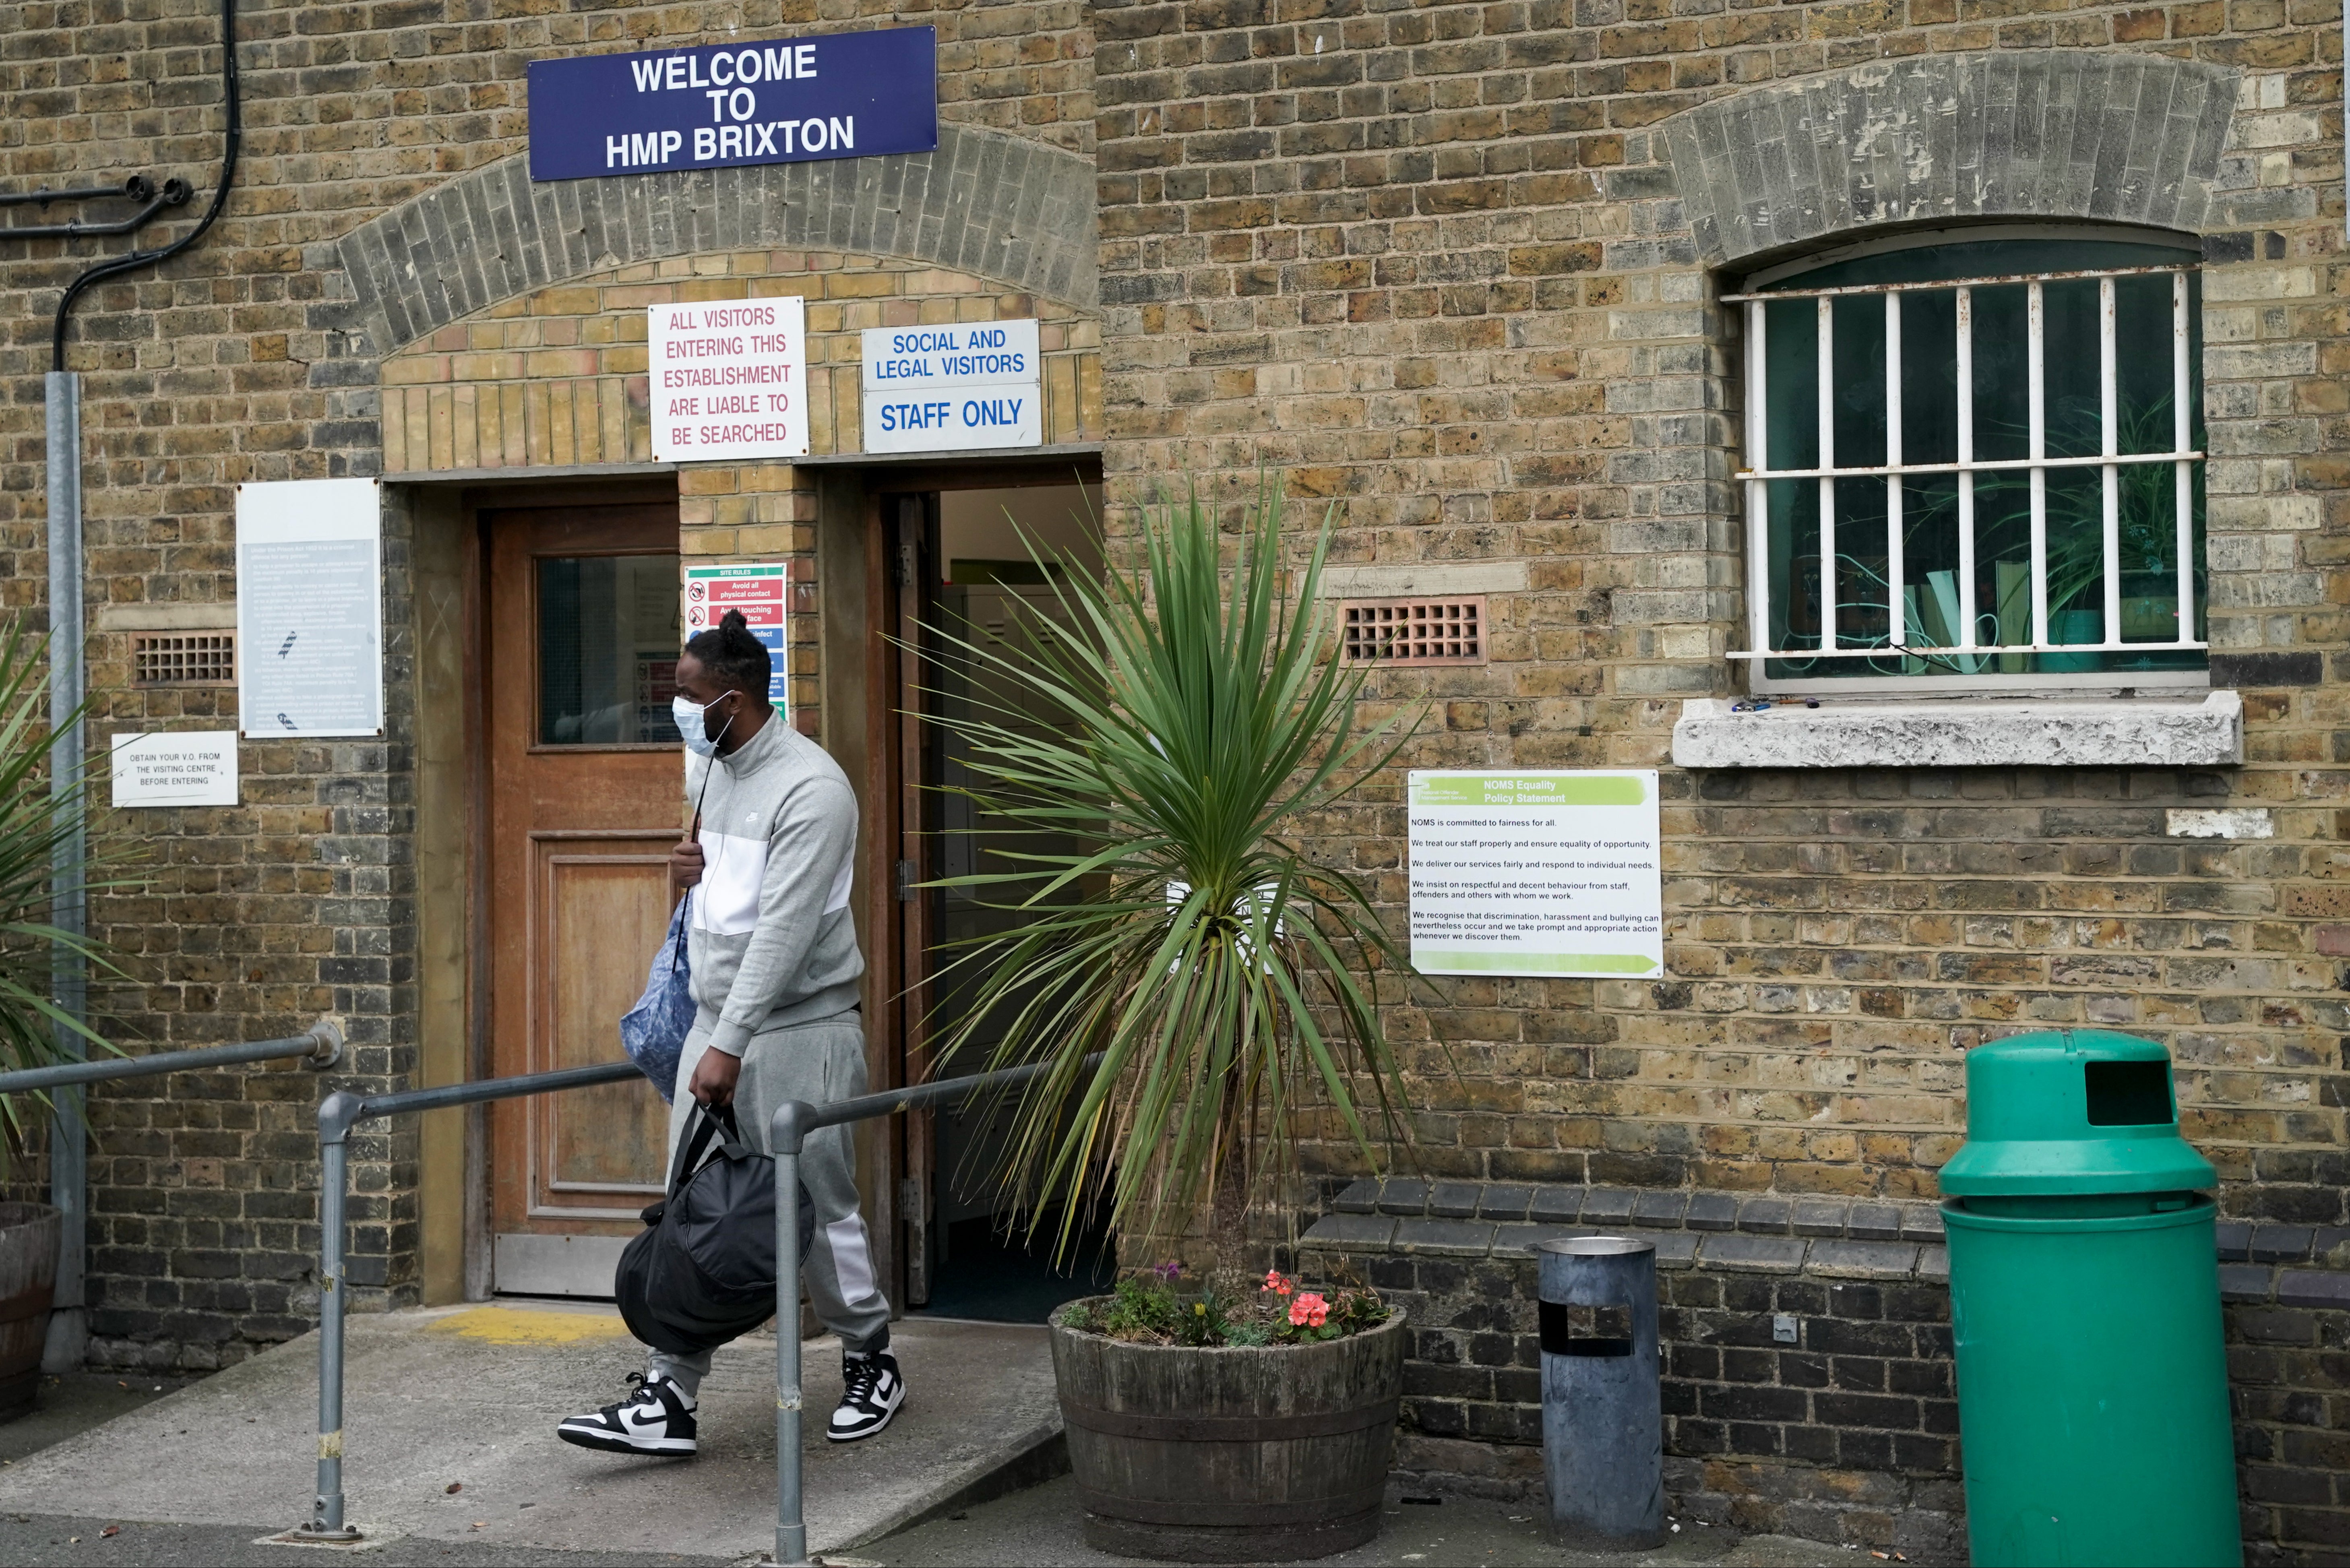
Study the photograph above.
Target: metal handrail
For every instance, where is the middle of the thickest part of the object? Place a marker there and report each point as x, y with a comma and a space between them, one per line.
789, 1130
336, 1115
321, 1043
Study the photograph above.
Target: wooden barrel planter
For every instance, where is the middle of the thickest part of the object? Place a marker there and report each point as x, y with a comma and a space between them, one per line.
1232, 1455
29, 1274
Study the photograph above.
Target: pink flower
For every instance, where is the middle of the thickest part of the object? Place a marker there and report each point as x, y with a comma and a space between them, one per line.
1276, 1284
1308, 1311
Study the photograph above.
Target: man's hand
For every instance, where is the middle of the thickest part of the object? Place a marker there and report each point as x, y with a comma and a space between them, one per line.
685, 860
713, 1079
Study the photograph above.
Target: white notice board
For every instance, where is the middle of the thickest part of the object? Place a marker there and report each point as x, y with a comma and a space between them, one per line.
175, 767
728, 378
963, 386
1552, 872
309, 607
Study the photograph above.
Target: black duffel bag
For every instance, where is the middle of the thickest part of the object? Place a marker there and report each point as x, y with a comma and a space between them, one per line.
704, 1270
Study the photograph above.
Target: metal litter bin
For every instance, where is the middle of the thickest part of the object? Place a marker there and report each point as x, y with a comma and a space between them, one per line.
1602, 1421
2085, 1310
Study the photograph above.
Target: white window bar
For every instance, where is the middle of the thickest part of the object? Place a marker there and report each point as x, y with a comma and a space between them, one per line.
2109, 400
1826, 399
1758, 500
1966, 350
1893, 588
2181, 429
2036, 320
2108, 461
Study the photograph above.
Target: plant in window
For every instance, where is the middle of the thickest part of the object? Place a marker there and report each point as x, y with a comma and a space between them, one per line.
2147, 514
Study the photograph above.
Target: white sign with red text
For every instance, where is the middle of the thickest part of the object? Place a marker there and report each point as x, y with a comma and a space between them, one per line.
728, 378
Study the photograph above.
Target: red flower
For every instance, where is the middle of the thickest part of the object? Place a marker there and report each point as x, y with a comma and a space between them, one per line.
1276, 1284
1308, 1311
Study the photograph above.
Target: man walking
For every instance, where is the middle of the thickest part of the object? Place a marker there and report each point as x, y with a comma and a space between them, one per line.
774, 960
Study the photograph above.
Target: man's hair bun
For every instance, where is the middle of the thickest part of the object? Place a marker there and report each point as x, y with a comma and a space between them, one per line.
730, 651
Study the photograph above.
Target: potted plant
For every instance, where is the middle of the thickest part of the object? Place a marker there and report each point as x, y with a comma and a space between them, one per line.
1204, 994
33, 826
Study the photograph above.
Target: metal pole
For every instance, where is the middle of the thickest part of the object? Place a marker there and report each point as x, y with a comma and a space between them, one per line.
322, 1046
68, 1329
335, 1118
786, 1136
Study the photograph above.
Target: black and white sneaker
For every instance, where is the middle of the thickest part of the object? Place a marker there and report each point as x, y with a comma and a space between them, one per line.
873, 1394
658, 1419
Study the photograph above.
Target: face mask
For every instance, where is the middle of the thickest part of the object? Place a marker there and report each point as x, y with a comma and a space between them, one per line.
694, 727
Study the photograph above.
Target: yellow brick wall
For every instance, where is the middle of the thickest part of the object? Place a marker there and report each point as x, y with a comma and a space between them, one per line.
760, 512
557, 378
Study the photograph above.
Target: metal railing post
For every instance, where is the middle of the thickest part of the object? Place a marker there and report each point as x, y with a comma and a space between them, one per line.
335, 1118
787, 1134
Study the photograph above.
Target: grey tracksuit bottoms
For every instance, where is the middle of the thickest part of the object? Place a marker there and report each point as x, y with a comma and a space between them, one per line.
818, 1063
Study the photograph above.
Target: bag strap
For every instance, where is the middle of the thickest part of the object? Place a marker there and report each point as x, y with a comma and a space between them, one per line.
676, 942
735, 1147
700, 1126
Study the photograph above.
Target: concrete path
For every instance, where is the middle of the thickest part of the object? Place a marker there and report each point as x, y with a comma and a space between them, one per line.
450, 1418
1042, 1527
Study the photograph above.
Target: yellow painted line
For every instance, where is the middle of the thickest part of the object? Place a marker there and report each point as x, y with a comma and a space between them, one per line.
509, 1326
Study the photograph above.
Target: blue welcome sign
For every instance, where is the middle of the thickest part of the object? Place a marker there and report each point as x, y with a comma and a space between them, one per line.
785, 100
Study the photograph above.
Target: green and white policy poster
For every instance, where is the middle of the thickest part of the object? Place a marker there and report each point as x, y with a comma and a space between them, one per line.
1552, 872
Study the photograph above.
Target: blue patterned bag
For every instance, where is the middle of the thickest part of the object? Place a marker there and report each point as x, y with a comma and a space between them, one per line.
653, 1031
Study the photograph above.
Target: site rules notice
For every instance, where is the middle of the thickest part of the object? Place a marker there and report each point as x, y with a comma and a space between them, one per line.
1544, 873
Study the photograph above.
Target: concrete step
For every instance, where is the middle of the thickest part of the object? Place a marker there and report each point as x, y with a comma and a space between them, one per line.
470, 1395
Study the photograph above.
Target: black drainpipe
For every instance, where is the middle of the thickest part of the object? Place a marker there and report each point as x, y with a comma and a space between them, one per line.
138, 259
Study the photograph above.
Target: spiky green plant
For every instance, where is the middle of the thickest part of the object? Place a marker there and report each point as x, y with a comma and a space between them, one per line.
1196, 720
32, 827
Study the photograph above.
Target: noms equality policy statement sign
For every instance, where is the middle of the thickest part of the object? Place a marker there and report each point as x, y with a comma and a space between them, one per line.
1539, 872
787, 100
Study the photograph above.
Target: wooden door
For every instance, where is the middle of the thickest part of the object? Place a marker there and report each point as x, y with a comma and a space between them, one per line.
585, 780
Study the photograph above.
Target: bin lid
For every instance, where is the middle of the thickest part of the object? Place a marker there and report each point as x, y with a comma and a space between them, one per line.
2073, 1111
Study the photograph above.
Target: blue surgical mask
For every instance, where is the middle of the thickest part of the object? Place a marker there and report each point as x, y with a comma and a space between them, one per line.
694, 727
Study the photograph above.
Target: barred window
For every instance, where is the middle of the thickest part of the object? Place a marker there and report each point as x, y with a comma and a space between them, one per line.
1976, 463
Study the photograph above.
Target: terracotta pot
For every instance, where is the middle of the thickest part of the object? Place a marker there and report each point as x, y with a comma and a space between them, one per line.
1233, 1455
29, 1274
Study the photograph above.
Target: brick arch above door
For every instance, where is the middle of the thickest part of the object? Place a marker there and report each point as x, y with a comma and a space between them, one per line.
1006, 208
2043, 133
555, 377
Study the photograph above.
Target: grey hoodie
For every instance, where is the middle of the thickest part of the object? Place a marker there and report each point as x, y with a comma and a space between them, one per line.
769, 937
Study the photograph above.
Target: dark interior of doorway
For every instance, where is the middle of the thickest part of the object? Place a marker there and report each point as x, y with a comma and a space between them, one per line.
986, 575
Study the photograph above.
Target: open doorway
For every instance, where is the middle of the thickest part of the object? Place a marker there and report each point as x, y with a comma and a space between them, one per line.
984, 563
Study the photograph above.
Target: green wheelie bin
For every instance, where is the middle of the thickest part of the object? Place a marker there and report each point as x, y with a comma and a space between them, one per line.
2085, 1308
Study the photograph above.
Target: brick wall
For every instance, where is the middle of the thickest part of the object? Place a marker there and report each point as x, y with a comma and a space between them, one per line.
1848, 1432
1438, 264
239, 361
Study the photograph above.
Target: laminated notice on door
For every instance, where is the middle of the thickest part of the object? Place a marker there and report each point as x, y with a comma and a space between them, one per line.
1552, 872
309, 607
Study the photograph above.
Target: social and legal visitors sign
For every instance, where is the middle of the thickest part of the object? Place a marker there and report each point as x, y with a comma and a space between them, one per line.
952, 389
1545, 872
728, 378
784, 100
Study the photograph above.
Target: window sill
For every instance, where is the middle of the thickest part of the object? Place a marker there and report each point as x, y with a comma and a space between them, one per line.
2052, 731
